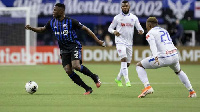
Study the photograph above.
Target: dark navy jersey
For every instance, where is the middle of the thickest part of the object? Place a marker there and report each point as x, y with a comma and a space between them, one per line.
65, 32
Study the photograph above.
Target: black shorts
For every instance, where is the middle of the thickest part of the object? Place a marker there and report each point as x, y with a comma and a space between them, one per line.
67, 58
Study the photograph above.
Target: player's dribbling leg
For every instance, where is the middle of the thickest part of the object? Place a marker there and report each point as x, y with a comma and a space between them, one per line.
77, 80
87, 72
76, 64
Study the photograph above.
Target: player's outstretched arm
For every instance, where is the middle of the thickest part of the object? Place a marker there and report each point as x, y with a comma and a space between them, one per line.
139, 27
90, 33
36, 29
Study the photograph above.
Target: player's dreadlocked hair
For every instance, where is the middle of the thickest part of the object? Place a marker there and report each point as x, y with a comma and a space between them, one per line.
153, 20
60, 5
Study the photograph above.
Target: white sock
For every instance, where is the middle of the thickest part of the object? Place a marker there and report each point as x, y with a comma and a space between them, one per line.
119, 76
184, 79
142, 75
124, 71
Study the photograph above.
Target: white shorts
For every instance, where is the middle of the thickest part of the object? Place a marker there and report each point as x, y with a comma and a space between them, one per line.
124, 51
171, 60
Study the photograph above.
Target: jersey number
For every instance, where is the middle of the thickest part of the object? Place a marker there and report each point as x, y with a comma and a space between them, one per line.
165, 37
76, 54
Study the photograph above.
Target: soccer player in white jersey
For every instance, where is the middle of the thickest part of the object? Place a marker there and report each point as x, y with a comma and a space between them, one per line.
164, 54
124, 24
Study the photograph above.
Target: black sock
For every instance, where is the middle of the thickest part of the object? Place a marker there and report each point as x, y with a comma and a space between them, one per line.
87, 72
79, 81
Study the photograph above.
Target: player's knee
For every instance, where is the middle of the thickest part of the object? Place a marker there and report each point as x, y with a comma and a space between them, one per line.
76, 67
139, 64
178, 72
68, 71
124, 59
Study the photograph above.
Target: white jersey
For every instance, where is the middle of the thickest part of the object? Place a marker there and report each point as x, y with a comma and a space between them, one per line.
160, 42
124, 24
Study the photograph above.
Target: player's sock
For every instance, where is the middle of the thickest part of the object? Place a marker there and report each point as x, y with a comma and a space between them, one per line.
142, 75
146, 84
87, 72
184, 79
119, 76
78, 81
124, 71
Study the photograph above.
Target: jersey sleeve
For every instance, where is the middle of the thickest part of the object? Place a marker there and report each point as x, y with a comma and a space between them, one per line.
48, 26
137, 25
112, 25
76, 24
152, 43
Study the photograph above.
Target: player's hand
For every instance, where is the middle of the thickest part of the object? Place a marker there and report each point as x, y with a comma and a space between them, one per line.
156, 60
102, 43
140, 32
117, 33
28, 27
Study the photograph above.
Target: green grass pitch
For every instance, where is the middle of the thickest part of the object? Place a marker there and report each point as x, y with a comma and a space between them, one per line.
57, 93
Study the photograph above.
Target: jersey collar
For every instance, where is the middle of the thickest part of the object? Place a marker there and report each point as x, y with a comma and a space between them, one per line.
156, 27
126, 14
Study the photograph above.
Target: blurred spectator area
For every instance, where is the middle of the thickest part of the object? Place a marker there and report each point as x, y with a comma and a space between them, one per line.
9, 28
191, 32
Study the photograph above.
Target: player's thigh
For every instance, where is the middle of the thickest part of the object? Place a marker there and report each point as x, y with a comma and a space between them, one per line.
129, 52
150, 63
121, 50
66, 59
175, 65
76, 55
68, 69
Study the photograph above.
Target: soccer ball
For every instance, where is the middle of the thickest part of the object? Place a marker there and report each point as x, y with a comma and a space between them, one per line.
31, 87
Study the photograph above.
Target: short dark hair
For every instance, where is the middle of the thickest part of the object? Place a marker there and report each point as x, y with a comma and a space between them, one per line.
152, 20
60, 5
125, 1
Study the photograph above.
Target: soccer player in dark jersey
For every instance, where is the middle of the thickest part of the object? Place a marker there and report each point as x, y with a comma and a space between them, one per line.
64, 29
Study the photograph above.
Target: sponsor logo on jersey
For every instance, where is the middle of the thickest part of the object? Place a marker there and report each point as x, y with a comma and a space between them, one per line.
122, 24
126, 24
65, 32
129, 24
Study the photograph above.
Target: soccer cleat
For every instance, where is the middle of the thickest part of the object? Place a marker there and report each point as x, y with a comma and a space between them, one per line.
192, 94
145, 91
98, 83
89, 91
119, 82
128, 84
